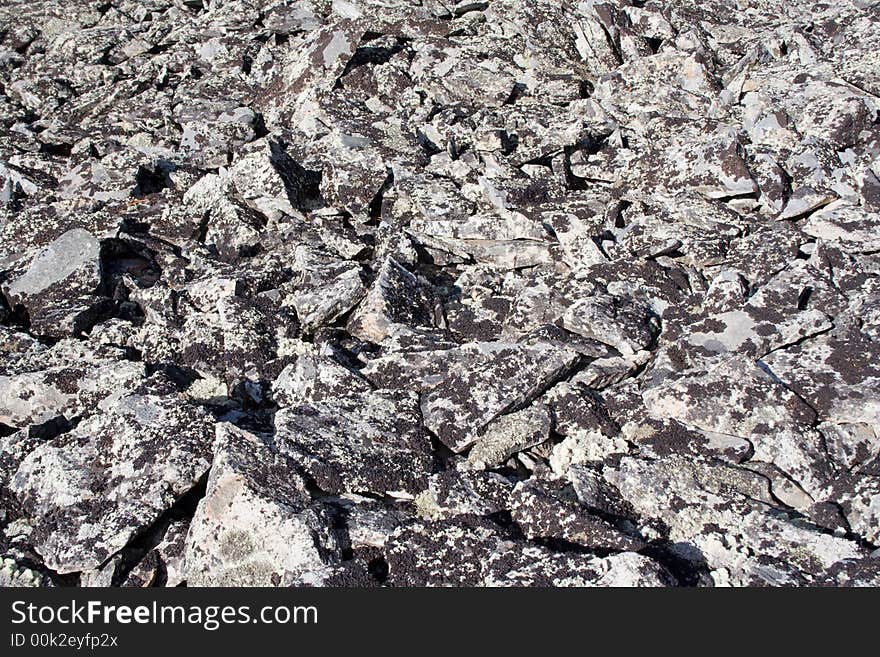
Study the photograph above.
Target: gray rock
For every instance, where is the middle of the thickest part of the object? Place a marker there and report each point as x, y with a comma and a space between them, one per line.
59, 285
93, 489
469, 552
510, 434
371, 442
464, 389
542, 511
397, 301
477, 291
256, 525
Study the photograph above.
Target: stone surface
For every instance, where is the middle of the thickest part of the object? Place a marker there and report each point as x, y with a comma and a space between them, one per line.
475, 293
256, 525
91, 490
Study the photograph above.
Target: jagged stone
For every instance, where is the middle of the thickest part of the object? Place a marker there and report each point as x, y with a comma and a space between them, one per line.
371, 442
480, 292
256, 525
542, 511
510, 434
91, 490
464, 389
58, 290
470, 552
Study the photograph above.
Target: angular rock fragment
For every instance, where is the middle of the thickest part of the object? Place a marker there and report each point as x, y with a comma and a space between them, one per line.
755, 407
480, 292
256, 525
59, 288
544, 512
328, 288
462, 390
315, 378
470, 552
396, 302
91, 490
841, 222
371, 442
624, 324
464, 492
702, 504
510, 434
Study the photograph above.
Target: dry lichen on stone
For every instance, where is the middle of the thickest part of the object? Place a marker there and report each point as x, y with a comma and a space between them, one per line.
439, 292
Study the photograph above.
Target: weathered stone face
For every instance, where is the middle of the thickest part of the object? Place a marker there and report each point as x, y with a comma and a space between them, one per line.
476, 293
256, 525
90, 491
59, 289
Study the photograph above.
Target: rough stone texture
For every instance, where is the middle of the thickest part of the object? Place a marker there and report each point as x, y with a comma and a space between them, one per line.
414, 292
91, 490
510, 434
256, 525
59, 288
367, 443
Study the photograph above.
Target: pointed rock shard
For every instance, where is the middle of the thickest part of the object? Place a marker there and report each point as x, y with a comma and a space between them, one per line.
397, 301
327, 288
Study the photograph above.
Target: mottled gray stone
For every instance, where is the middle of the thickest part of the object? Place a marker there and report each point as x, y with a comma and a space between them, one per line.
93, 489
371, 442
256, 525
477, 290
510, 434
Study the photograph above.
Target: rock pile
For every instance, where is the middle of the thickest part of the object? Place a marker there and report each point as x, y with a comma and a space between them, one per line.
439, 292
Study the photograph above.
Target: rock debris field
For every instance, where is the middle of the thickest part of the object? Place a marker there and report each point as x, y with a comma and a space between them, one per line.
438, 292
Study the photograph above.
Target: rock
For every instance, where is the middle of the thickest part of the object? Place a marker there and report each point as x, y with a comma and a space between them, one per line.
316, 378
620, 323
371, 442
706, 503
841, 222
447, 553
510, 434
464, 492
256, 525
466, 292
465, 389
17, 575
327, 289
396, 301
543, 512
58, 289
756, 407
134, 455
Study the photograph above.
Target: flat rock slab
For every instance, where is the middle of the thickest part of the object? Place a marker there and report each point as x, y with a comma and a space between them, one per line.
57, 287
371, 442
93, 489
471, 552
464, 389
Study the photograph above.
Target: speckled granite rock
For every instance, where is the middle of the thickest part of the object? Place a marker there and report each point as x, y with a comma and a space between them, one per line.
421, 292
